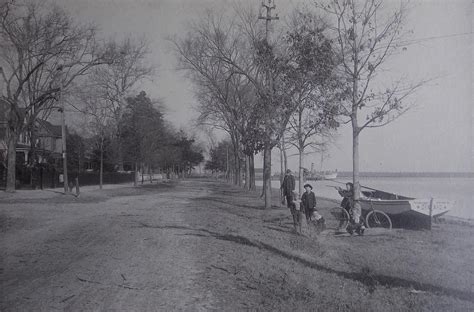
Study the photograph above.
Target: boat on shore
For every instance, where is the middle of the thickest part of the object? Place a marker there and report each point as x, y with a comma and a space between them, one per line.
403, 207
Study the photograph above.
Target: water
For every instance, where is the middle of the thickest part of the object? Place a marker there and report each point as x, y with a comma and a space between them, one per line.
460, 190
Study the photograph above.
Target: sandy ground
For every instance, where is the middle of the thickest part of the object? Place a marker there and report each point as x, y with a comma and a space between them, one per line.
202, 245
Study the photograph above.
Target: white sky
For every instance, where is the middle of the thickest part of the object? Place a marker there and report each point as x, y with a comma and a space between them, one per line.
436, 135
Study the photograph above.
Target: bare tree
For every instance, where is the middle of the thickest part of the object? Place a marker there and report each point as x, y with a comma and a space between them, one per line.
42, 52
366, 37
118, 79
98, 119
311, 77
238, 44
224, 96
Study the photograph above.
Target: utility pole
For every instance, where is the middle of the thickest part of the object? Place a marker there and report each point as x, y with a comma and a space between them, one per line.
63, 130
267, 6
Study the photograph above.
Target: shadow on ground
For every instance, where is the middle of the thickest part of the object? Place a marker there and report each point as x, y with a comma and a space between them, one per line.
366, 276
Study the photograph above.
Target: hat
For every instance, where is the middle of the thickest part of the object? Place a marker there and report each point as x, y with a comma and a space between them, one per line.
308, 185
288, 171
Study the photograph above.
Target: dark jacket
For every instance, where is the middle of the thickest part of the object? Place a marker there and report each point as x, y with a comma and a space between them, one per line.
347, 201
288, 185
308, 201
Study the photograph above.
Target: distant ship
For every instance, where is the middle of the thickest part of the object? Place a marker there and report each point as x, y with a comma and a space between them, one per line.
322, 175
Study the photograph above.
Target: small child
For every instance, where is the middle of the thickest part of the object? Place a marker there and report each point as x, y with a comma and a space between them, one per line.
296, 212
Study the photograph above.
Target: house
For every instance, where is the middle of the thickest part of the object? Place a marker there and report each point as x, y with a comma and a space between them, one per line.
47, 148
48, 142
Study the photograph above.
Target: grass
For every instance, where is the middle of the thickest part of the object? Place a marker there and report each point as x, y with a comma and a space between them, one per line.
250, 258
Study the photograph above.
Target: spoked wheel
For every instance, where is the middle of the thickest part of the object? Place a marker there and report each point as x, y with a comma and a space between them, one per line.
338, 219
378, 219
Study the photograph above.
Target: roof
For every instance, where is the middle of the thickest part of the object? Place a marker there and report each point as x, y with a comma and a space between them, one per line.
53, 130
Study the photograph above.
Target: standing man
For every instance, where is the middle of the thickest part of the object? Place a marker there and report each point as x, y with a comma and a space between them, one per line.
287, 187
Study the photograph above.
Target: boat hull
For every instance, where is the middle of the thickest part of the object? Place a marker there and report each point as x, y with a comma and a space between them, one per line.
420, 206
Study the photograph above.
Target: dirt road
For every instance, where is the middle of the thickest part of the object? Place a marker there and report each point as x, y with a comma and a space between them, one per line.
202, 245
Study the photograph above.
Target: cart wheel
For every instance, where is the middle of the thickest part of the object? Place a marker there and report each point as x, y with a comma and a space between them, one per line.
378, 219
338, 220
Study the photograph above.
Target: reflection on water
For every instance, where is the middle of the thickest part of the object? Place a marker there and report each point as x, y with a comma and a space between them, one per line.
460, 190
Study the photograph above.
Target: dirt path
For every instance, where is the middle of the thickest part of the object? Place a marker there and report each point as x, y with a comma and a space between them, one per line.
201, 245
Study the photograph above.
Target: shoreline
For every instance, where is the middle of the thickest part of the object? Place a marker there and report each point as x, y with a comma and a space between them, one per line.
374, 174
38, 194
445, 218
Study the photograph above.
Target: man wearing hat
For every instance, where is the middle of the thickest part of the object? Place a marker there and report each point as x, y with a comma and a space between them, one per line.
287, 187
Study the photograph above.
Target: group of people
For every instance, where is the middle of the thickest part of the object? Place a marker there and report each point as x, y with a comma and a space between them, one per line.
306, 204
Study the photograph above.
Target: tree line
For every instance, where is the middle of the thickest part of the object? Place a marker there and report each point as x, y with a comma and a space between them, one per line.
293, 81
273, 84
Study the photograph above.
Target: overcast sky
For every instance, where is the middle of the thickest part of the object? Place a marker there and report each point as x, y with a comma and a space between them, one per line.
436, 135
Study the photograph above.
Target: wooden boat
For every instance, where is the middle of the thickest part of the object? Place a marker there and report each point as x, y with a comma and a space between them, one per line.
394, 204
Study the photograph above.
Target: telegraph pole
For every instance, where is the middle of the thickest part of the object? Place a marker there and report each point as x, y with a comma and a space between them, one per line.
268, 6
63, 131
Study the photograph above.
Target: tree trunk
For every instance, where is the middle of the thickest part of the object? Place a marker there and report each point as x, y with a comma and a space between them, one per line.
11, 164
356, 209
285, 157
301, 171
267, 178
355, 158
247, 172
282, 164
236, 167
119, 149
355, 129
32, 157
135, 173
227, 167
101, 170
252, 172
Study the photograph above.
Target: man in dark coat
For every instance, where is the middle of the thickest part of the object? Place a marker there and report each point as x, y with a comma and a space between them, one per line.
287, 187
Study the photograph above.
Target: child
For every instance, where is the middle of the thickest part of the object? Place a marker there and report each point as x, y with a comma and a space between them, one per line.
295, 208
308, 202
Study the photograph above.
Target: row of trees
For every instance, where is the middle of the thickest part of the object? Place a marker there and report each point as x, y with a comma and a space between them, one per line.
48, 61
147, 141
296, 87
